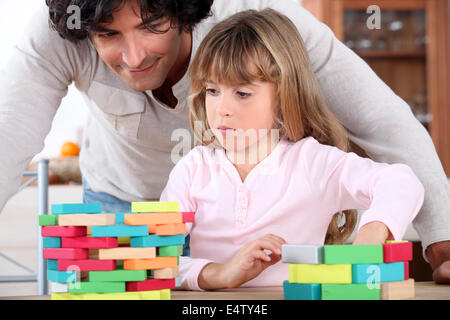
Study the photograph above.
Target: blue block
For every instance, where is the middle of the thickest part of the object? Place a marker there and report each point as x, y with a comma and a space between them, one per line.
120, 217
69, 208
301, 291
158, 241
51, 242
61, 276
52, 265
119, 231
383, 272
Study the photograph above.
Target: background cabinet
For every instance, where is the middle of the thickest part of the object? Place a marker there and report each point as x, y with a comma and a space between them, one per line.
410, 52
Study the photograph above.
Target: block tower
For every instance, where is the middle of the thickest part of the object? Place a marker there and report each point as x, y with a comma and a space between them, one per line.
119, 256
348, 272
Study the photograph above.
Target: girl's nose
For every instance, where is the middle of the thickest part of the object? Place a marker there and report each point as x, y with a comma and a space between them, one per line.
224, 108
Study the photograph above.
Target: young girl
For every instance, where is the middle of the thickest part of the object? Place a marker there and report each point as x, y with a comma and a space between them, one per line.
292, 182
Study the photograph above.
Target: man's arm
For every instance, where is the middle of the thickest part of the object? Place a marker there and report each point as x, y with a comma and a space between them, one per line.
32, 85
377, 120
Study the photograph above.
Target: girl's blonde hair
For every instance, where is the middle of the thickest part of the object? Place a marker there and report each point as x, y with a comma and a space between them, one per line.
270, 42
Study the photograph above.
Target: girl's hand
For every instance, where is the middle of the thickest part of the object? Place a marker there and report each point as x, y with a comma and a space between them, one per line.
373, 233
251, 260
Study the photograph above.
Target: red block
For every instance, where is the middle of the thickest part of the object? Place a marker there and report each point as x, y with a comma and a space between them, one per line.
188, 216
65, 253
406, 270
89, 242
151, 284
397, 252
87, 265
61, 231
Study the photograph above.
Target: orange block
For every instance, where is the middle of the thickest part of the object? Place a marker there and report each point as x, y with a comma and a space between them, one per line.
170, 229
150, 264
140, 219
151, 228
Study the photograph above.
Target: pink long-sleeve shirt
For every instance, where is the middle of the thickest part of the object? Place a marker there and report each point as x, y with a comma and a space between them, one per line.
293, 193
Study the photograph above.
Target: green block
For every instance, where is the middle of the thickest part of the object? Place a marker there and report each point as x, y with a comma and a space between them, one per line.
353, 254
117, 275
170, 251
48, 220
155, 206
97, 287
349, 292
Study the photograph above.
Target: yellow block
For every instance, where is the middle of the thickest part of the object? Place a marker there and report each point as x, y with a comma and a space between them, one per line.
123, 240
141, 295
394, 241
86, 219
320, 273
155, 206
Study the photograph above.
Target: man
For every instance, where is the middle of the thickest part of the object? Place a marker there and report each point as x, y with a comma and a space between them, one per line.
129, 60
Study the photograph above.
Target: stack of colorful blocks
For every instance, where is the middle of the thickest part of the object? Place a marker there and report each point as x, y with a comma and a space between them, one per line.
118, 256
348, 272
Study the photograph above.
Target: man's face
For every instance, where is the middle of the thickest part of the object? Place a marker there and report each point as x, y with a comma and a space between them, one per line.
141, 58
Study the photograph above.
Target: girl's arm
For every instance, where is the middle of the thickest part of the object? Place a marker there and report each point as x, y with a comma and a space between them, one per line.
391, 194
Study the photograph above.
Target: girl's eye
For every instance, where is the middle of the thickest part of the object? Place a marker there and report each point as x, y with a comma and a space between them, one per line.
211, 91
242, 94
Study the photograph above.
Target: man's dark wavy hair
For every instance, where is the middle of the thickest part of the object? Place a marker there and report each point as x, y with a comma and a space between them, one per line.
182, 13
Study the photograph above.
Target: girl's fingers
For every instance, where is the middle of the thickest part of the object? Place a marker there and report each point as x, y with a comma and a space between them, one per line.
268, 244
276, 238
261, 255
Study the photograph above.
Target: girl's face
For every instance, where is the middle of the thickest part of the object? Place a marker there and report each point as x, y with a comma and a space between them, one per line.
232, 112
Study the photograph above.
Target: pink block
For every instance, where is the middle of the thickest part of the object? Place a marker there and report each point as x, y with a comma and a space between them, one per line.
188, 216
397, 252
61, 231
150, 284
65, 253
89, 242
87, 265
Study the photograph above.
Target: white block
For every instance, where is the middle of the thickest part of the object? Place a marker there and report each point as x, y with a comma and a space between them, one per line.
302, 254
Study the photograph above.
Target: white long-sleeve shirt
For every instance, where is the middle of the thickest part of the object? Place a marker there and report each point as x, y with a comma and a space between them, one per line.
127, 143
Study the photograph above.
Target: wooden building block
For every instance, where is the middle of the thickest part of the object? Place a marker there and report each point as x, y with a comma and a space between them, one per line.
349, 292
153, 218
89, 230
144, 295
150, 284
170, 251
353, 254
397, 252
70, 208
155, 206
118, 275
406, 270
320, 273
87, 220
48, 220
158, 241
98, 287
301, 291
62, 276
395, 241
170, 229
127, 253
166, 273
87, 265
51, 242
152, 228
59, 287
398, 290
383, 272
302, 254
59, 231
149, 264
65, 253
123, 240
89, 242
188, 217
52, 264
120, 217
119, 231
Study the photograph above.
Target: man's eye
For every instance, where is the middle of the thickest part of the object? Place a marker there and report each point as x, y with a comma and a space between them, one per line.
242, 94
106, 35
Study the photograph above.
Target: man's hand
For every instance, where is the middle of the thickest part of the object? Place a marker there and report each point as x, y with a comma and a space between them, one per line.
439, 256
